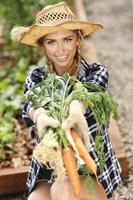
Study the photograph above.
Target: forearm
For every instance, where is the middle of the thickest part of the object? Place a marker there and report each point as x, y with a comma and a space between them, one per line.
31, 113
76, 103
25, 115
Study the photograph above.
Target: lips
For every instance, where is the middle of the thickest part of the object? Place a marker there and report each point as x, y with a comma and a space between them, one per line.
61, 58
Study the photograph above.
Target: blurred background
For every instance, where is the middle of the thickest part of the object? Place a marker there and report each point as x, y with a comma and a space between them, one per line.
114, 49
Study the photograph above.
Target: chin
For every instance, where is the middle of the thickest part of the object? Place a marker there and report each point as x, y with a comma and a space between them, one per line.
62, 65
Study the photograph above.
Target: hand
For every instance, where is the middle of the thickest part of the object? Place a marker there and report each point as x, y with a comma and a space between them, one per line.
42, 121
77, 121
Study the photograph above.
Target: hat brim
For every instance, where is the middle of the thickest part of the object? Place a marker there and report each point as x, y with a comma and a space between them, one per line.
36, 31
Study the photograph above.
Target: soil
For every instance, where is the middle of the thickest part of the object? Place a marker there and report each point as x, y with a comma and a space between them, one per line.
115, 49
22, 147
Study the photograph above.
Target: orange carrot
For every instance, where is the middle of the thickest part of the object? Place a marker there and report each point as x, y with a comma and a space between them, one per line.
83, 152
70, 164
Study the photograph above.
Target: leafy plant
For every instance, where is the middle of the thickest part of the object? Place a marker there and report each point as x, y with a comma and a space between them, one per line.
6, 136
11, 101
20, 13
12, 13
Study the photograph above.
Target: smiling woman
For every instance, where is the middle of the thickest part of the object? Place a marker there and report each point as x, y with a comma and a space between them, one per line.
59, 32
60, 48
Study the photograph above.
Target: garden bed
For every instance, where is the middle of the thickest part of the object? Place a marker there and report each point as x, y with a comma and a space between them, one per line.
13, 171
21, 148
13, 180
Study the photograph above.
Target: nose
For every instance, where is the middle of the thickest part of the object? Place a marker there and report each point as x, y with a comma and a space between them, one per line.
61, 48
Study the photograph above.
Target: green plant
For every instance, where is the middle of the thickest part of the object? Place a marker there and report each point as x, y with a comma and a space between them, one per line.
12, 13
20, 13
6, 136
11, 101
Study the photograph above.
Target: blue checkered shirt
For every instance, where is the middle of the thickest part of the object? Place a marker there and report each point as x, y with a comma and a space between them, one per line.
95, 73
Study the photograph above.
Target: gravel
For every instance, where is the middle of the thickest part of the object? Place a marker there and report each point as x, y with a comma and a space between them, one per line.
115, 49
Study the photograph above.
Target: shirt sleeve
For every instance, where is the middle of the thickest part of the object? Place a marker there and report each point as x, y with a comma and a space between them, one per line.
98, 74
33, 77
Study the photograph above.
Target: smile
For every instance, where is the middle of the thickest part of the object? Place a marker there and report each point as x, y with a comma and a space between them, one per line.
61, 57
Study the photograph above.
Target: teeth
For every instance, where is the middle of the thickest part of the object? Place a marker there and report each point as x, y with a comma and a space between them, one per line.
61, 57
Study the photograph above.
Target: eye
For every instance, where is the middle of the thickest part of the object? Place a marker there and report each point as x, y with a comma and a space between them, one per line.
67, 40
51, 42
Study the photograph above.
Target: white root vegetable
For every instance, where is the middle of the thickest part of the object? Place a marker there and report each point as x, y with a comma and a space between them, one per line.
49, 153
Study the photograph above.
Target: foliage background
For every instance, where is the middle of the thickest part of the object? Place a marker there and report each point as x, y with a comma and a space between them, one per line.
18, 58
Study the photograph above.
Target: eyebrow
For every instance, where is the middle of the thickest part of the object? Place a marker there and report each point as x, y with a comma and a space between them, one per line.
55, 39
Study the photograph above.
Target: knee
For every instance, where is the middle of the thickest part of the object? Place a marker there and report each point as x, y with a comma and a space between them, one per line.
60, 190
31, 196
40, 192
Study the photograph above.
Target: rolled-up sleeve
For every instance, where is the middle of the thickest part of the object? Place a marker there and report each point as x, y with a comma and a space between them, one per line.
33, 77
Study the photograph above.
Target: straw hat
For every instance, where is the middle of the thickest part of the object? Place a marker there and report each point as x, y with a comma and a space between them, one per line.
50, 19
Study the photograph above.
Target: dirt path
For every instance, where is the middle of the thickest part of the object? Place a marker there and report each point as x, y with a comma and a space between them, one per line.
115, 49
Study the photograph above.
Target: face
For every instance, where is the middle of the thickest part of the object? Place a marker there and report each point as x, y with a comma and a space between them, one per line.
60, 48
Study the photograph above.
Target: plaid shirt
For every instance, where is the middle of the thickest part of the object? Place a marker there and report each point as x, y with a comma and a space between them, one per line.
96, 73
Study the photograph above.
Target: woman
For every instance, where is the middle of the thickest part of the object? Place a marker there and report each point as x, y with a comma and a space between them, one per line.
59, 33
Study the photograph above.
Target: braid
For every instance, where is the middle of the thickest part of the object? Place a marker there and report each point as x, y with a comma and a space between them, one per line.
50, 66
76, 63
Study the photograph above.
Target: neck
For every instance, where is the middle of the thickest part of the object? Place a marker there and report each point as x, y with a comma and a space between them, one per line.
62, 70
72, 69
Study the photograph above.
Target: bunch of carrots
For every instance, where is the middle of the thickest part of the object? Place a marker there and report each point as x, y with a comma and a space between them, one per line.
55, 94
70, 162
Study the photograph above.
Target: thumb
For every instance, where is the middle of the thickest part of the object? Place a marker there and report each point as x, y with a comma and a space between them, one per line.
64, 125
40, 129
54, 123
44, 121
68, 123
84, 132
